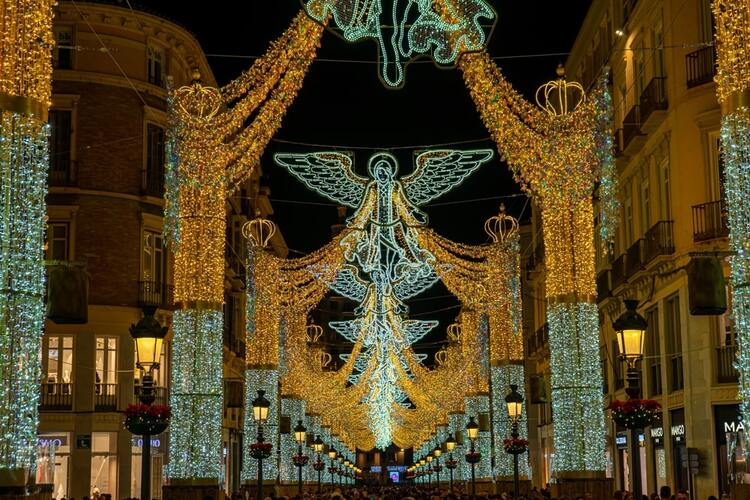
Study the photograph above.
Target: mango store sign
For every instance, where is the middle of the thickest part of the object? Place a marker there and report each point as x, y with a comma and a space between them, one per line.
138, 442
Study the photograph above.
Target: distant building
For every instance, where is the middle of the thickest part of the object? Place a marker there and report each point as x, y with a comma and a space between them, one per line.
105, 248
671, 248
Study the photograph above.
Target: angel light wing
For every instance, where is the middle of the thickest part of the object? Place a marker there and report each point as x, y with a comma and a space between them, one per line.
329, 174
439, 171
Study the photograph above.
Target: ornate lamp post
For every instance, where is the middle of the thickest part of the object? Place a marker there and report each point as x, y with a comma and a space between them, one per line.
514, 401
341, 471
472, 431
631, 330
262, 450
438, 467
319, 465
332, 455
429, 470
450, 445
300, 434
149, 337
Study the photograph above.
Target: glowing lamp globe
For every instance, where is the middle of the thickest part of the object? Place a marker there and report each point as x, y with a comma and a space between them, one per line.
148, 335
514, 401
450, 444
332, 453
631, 331
318, 444
261, 405
472, 429
438, 452
300, 433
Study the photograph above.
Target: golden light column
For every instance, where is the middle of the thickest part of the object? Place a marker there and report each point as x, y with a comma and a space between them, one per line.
25, 93
733, 90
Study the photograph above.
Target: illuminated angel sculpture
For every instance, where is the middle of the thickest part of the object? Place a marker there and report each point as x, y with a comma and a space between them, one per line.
385, 262
408, 28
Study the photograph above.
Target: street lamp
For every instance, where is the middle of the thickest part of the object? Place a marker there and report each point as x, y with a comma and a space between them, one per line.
300, 434
332, 455
429, 470
148, 335
318, 448
514, 401
450, 445
437, 454
261, 408
341, 471
472, 431
630, 328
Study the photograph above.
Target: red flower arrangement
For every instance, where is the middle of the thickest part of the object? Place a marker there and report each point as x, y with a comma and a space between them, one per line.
635, 413
300, 460
473, 457
437, 468
149, 420
515, 446
332, 470
260, 451
319, 465
451, 464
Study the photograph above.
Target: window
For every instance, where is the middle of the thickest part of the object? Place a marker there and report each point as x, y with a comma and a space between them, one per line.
653, 352
62, 56
628, 226
60, 143
153, 258
706, 21
58, 362
716, 167
58, 241
106, 363
617, 366
639, 70
665, 192
155, 66
673, 337
658, 50
645, 206
104, 463
155, 160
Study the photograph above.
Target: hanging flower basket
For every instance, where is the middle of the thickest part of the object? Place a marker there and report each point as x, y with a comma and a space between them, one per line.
300, 460
332, 470
473, 457
437, 468
515, 446
147, 420
260, 451
319, 466
451, 464
635, 413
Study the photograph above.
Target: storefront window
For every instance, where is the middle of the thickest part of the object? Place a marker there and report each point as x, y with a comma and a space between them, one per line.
730, 446
158, 445
679, 449
104, 463
53, 456
660, 458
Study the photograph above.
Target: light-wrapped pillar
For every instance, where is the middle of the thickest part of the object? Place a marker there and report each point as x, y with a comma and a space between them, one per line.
196, 224
733, 89
25, 93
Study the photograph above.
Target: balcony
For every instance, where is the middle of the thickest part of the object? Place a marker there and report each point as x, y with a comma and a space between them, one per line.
659, 240
63, 172
105, 397
653, 103
619, 272
634, 258
710, 221
676, 377
161, 394
654, 379
700, 67
56, 397
726, 373
154, 293
632, 138
603, 285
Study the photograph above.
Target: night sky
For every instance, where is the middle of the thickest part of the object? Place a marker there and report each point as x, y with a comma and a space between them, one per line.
344, 104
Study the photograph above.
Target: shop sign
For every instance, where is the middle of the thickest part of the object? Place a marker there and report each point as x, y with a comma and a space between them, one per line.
83, 441
52, 440
678, 433
657, 436
621, 440
155, 443
396, 468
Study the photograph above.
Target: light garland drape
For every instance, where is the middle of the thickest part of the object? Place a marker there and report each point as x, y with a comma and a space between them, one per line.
733, 90
25, 94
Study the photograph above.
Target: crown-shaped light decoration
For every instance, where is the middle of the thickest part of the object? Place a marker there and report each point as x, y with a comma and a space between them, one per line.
441, 357
454, 332
314, 332
259, 231
196, 101
502, 226
560, 97
324, 359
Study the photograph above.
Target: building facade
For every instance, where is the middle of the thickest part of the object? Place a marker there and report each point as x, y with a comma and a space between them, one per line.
106, 253
670, 252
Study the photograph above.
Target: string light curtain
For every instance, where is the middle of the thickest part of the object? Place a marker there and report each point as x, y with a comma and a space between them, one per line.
25, 93
210, 151
733, 90
557, 152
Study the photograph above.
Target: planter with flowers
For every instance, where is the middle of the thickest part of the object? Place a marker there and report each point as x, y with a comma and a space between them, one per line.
300, 460
451, 464
437, 468
260, 451
319, 465
635, 413
332, 470
473, 457
515, 446
147, 420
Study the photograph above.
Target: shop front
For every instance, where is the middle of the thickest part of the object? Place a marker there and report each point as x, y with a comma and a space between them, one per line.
730, 446
658, 457
53, 461
158, 452
679, 449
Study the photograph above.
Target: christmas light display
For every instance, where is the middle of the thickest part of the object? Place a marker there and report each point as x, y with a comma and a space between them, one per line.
25, 93
733, 90
266, 380
407, 29
384, 248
